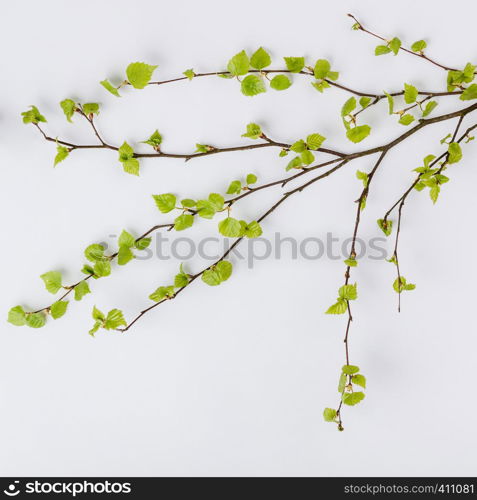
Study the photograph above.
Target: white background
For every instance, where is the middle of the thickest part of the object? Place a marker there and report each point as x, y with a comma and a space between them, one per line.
230, 381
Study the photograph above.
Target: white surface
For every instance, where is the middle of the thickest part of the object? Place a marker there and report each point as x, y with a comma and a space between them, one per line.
229, 381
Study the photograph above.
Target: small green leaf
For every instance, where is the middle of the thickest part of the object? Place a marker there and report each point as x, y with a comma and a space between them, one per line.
455, 152
114, 319
58, 309
102, 268
321, 86
406, 119
418, 46
181, 279
224, 268
217, 201
52, 280
251, 229
298, 146
430, 106
350, 369
126, 239
339, 308
110, 88
348, 106
155, 140
90, 108
81, 289
235, 187
314, 141
124, 255
33, 116
410, 93
469, 93
400, 284
142, 244
94, 252
434, 192
189, 73
205, 209
357, 134
252, 85
351, 262
359, 380
239, 64
62, 153
381, 50
352, 398
139, 74
188, 203
390, 99
35, 320
230, 227
294, 64
307, 157
362, 176
322, 68
395, 45
131, 166
253, 131
163, 292
184, 221
217, 274
386, 226
260, 59
69, 107
295, 163
364, 101
342, 382
98, 315
126, 157
165, 202
280, 82
329, 414
251, 179
348, 292
16, 316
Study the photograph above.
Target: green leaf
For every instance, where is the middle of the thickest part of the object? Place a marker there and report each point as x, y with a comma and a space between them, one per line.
307, 157
90, 108
239, 64
155, 140
126, 239
357, 134
125, 151
131, 166
52, 280
217, 274
181, 279
124, 255
205, 209
253, 131
252, 85
184, 221
381, 50
98, 315
235, 187
139, 74
430, 106
81, 289
395, 45
260, 59
294, 64
321, 86
251, 229
142, 244
251, 179
352, 398
188, 203
322, 68
16, 316
386, 226
163, 292
69, 107
342, 382
102, 268
348, 292
314, 141
362, 176
333, 75
230, 227
58, 309
95, 252
359, 380
434, 193
217, 201
418, 46
298, 146
329, 414
224, 268
114, 319
455, 152
348, 106
126, 157
35, 320
350, 369
295, 163
110, 88
280, 82
62, 153
410, 93
406, 119
390, 99
203, 148
339, 308
95, 328
165, 202
33, 116
351, 262
189, 73
469, 93
400, 284
364, 101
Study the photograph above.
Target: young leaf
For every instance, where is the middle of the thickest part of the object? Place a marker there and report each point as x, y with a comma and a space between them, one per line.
348, 292
298, 146
339, 308
352, 398
359, 380
188, 203
102, 268
189, 73
322, 68
357, 134
217, 201
139, 74
400, 284
205, 209
95, 252
142, 244
342, 382
329, 414
224, 268
69, 107
184, 221
124, 255
362, 176
418, 46
163, 292
52, 280
410, 93
364, 101
260, 59
469, 93
165, 202
350, 369
386, 226
351, 262
230, 227
253, 131
390, 99
314, 141
62, 153
90, 108
155, 140
395, 45
211, 277
35, 320
455, 152
17, 316
280, 82
430, 106
251, 229
126, 239
251, 179
110, 88
239, 64
58, 309
114, 319
181, 279
235, 187
307, 157
252, 85
348, 106
406, 119
381, 50
294, 64
81, 289
33, 116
